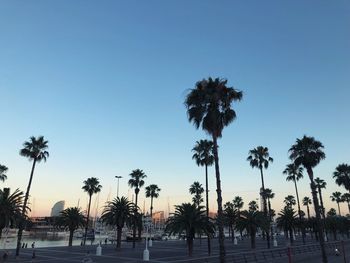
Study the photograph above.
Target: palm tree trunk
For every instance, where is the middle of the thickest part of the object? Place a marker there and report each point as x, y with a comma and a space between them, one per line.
21, 223
349, 207
151, 209
87, 220
119, 236
318, 216
190, 246
321, 202
265, 207
134, 225
70, 242
270, 217
207, 204
339, 208
308, 212
219, 200
252, 239
299, 212
291, 238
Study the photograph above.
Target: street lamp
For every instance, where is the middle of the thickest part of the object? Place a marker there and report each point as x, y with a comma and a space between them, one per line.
147, 223
118, 177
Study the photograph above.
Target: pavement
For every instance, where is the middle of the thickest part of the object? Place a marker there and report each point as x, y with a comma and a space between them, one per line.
176, 252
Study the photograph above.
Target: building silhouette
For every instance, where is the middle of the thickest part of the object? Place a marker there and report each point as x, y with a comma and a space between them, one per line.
57, 208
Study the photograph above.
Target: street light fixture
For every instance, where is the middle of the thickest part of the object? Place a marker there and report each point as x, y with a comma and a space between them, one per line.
118, 177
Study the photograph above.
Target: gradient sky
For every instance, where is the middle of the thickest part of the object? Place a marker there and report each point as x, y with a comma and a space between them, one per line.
105, 82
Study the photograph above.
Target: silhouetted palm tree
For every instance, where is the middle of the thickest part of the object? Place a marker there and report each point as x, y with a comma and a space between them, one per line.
251, 221
190, 219
238, 204
230, 213
91, 186
136, 182
307, 202
10, 207
321, 184
337, 197
209, 106
253, 206
152, 191
287, 221
196, 189
260, 158
203, 155
72, 219
118, 213
35, 150
3, 170
342, 175
289, 200
294, 173
268, 196
309, 152
346, 198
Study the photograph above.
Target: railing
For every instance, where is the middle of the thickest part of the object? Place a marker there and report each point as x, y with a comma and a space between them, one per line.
269, 255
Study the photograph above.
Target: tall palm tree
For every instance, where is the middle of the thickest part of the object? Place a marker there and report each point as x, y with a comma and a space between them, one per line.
251, 221
294, 173
307, 202
35, 150
321, 184
230, 213
152, 191
91, 186
209, 106
346, 198
259, 157
117, 213
10, 207
3, 170
337, 197
342, 175
190, 219
289, 200
287, 221
203, 155
196, 189
308, 152
136, 181
72, 219
268, 196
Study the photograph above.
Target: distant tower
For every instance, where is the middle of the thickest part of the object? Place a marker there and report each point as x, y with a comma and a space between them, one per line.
57, 208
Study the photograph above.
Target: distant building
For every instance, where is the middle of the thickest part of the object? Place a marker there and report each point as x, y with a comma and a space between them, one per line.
158, 217
57, 208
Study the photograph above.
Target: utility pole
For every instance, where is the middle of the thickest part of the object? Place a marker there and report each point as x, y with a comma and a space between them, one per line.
118, 177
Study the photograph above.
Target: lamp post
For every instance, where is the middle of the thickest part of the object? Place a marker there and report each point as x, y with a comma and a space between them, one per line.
147, 222
118, 177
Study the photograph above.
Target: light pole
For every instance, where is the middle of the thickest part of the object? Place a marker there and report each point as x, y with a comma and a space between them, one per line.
118, 177
147, 222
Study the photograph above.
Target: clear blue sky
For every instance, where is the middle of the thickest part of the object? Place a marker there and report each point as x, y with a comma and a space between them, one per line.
105, 82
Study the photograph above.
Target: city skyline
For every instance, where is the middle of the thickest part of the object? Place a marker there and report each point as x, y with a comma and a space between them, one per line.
105, 85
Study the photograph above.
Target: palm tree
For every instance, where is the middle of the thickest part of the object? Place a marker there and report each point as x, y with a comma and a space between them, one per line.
10, 207
342, 175
152, 191
321, 184
197, 190
269, 195
250, 221
346, 198
209, 106
332, 212
91, 186
136, 181
71, 218
289, 200
253, 206
307, 202
230, 213
294, 173
287, 221
117, 213
190, 219
3, 170
35, 150
337, 197
260, 158
203, 155
238, 202
309, 152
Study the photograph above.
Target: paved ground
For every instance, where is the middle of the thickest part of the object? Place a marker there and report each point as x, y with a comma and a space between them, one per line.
176, 251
